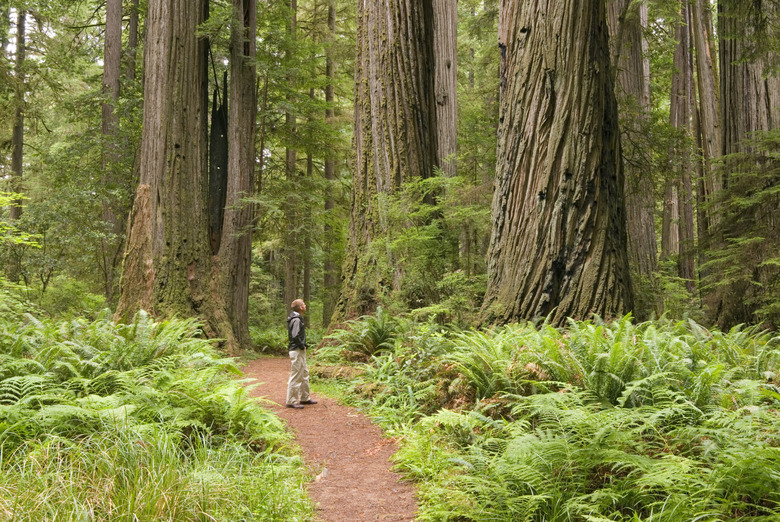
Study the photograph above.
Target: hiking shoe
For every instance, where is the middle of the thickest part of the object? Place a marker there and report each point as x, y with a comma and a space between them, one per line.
296, 406
309, 402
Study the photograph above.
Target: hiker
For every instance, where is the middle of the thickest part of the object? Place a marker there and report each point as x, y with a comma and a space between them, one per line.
298, 385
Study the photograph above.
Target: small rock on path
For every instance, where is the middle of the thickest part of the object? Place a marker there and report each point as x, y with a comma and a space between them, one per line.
347, 453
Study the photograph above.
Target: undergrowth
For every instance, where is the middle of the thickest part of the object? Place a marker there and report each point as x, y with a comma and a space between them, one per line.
138, 421
653, 421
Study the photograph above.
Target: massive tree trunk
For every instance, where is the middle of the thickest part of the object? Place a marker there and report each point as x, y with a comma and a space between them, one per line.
750, 97
111, 243
395, 136
558, 244
629, 52
168, 266
445, 22
235, 252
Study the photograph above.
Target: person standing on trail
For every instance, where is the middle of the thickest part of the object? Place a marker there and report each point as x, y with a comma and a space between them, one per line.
298, 385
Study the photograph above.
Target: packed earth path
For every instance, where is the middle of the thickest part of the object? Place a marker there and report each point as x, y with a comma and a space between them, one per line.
347, 454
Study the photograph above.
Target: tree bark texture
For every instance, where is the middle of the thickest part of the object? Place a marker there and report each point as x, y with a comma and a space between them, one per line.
292, 210
111, 245
709, 111
558, 243
132, 40
395, 136
17, 136
629, 56
445, 21
330, 266
750, 96
167, 266
681, 103
235, 252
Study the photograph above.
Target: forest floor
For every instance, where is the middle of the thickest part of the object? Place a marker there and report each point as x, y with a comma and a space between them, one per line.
347, 454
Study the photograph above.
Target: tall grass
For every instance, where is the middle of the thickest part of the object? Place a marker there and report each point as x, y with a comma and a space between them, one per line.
144, 421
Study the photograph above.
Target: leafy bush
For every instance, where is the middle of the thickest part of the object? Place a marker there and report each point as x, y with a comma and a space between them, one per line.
367, 336
135, 421
658, 420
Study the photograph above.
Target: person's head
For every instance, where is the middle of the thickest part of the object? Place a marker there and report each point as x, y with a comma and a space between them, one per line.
298, 306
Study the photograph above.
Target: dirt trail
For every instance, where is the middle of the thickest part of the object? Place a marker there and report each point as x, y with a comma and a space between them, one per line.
343, 449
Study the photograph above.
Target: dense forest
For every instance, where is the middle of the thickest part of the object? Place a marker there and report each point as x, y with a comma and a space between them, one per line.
412, 157
521, 222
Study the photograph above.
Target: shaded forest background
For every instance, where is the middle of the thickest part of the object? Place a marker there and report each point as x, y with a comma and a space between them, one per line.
696, 85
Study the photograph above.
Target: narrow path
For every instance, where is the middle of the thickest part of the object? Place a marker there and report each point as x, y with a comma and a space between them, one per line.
343, 449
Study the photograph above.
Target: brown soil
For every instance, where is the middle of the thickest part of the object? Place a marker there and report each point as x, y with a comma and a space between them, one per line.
346, 453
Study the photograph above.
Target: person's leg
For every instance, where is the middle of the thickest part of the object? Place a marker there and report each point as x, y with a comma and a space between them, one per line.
298, 364
304, 378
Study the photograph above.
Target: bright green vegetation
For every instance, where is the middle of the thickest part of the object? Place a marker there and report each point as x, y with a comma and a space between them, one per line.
144, 421
622, 421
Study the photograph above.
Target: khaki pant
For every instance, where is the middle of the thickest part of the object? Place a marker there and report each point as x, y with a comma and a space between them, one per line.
298, 385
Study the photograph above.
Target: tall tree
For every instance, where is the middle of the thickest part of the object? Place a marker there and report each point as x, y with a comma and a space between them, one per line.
292, 211
111, 244
394, 141
679, 183
168, 266
558, 244
750, 95
628, 22
445, 21
235, 252
330, 268
17, 139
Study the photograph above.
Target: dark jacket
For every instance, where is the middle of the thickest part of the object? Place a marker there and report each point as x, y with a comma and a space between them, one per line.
296, 331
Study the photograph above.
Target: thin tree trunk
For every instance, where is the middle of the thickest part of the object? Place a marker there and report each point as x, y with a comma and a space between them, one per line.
292, 249
330, 268
17, 136
132, 40
558, 243
111, 246
394, 140
687, 259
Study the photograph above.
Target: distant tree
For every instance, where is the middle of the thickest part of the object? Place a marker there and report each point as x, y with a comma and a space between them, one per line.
394, 141
558, 244
744, 279
628, 22
445, 44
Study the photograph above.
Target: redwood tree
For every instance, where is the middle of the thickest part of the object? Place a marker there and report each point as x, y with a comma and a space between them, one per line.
558, 244
394, 141
168, 266
629, 56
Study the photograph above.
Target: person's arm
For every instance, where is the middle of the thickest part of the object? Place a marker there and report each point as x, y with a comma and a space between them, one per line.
295, 333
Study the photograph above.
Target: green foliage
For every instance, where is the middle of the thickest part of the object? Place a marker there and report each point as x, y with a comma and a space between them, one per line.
744, 262
365, 337
116, 417
659, 420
